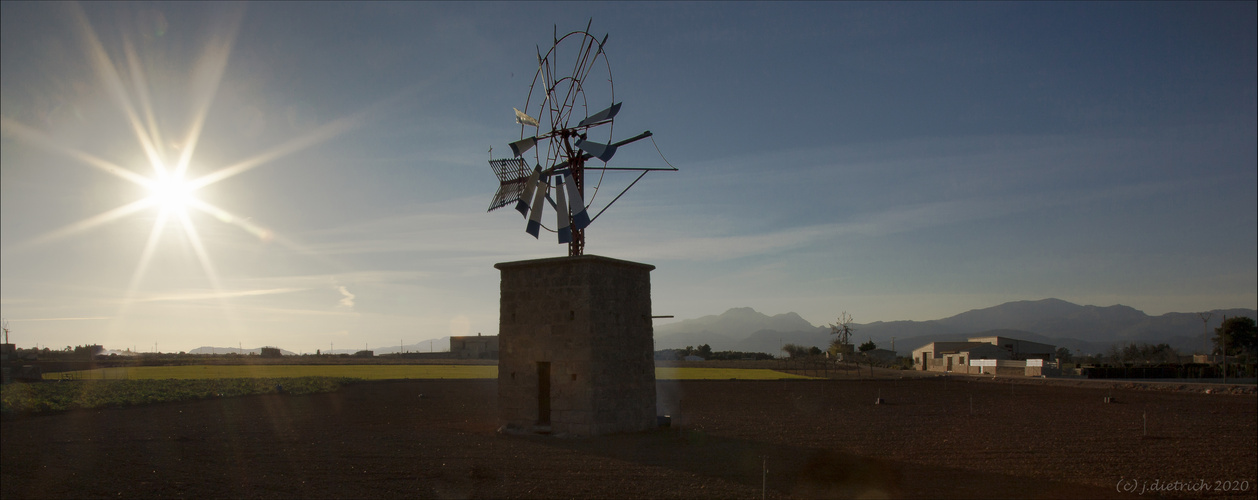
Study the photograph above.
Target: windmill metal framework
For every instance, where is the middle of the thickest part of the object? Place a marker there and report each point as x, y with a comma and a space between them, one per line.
551, 160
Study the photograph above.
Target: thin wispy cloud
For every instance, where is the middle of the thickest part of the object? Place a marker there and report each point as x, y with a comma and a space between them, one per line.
84, 318
421, 229
217, 295
649, 243
318, 281
266, 314
347, 299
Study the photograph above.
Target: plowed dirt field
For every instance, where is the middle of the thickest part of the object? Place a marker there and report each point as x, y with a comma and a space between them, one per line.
930, 438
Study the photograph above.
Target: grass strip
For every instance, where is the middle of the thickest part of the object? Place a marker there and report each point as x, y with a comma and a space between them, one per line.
113, 387
365, 372
380, 372
87, 394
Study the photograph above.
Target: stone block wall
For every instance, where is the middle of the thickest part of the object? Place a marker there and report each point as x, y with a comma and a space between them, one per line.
588, 319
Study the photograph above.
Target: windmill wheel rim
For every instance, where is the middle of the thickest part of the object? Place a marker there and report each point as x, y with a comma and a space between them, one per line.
562, 85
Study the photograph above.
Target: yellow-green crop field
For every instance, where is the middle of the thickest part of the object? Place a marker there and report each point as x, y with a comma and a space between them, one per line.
377, 372
690, 373
110, 387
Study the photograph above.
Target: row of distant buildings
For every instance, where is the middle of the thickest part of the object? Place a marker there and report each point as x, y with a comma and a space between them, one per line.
977, 355
985, 355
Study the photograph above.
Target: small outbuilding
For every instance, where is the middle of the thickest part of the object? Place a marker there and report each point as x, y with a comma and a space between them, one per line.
478, 347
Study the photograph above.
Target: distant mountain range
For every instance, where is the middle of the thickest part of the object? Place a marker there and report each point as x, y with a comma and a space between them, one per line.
1083, 329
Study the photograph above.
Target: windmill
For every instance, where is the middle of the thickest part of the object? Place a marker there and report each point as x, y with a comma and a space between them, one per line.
552, 157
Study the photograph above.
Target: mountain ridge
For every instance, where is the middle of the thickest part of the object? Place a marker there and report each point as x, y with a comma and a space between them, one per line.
1086, 329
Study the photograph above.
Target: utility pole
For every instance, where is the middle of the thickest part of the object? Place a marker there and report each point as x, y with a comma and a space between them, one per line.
1223, 349
1205, 337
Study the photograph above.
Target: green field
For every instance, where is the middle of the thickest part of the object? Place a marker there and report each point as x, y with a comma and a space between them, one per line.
114, 387
364, 372
376, 372
85, 394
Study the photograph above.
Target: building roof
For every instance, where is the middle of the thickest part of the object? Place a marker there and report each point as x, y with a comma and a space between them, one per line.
948, 347
1017, 345
1014, 347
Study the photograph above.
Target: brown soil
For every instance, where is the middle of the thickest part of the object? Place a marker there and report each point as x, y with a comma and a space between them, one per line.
816, 439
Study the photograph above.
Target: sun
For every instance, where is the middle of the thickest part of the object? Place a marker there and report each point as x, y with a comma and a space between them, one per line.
171, 192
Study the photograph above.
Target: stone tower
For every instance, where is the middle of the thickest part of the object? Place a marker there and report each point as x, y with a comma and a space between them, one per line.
576, 346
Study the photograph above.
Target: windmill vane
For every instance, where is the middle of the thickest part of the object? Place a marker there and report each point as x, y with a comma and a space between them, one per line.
551, 158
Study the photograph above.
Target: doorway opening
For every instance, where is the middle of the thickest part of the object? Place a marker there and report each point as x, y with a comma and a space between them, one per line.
543, 393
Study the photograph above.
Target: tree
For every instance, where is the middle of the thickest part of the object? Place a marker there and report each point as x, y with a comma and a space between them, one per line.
868, 346
1239, 335
736, 355
1092, 359
1161, 353
1142, 353
795, 351
1064, 355
1114, 354
814, 351
704, 351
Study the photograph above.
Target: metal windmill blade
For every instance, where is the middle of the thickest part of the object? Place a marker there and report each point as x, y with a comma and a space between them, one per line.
580, 217
601, 116
562, 215
601, 151
521, 205
535, 209
523, 145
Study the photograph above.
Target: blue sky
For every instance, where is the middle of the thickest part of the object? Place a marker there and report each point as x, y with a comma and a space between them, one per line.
895, 161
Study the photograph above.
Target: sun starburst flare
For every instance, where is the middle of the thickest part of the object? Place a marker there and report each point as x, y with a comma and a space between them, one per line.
170, 190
